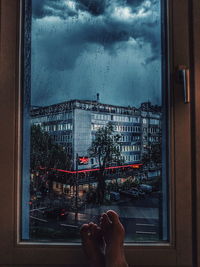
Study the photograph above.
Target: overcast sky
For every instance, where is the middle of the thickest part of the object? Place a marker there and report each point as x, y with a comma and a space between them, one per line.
84, 47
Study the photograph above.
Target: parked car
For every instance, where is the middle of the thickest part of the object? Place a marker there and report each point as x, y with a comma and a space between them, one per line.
114, 196
141, 193
146, 188
54, 213
131, 193
134, 192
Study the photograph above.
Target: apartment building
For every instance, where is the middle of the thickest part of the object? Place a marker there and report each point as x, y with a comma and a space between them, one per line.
73, 125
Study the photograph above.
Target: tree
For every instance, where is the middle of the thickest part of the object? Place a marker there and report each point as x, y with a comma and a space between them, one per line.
44, 152
105, 149
156, 153
153, 155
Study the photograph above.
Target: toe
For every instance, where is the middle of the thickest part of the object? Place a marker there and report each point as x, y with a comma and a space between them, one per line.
96, 231
105, 222
84, 231
113, 216
84, 228
93, 229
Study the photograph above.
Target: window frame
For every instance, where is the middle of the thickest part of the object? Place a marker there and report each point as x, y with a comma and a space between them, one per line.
179, 251
195, 40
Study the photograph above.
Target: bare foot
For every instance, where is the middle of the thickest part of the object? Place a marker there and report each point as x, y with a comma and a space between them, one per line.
113, 232
93, 244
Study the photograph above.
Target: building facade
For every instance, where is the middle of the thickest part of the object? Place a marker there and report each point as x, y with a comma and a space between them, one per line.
73, 125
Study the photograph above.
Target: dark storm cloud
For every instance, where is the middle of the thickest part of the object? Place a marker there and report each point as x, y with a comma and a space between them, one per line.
106, 34
45, 8
61, 49
110, 32
95, 7
135, 3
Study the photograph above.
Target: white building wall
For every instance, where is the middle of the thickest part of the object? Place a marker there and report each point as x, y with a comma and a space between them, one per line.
82, 137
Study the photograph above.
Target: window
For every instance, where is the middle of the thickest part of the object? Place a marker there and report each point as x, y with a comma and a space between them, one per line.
176, 253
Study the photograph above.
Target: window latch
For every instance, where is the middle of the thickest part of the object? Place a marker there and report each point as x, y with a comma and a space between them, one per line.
184, 79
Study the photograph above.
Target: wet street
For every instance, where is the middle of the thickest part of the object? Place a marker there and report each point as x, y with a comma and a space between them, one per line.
139, 217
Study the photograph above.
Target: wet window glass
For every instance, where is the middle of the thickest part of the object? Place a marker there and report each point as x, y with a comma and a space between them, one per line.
94, 118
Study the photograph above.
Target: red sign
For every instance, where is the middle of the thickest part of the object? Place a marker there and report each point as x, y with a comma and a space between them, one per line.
83, 160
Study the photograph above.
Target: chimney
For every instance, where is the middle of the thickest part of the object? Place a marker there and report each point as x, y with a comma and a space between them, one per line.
97, 97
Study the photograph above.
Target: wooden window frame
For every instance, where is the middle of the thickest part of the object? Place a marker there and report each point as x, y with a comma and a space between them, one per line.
179, 252
195, 41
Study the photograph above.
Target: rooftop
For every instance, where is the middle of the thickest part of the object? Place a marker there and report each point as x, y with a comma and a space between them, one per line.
93, 106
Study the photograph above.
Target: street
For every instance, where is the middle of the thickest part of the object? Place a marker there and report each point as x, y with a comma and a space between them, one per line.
139, 217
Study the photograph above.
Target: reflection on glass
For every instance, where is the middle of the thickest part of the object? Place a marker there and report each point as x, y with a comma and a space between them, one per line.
93, 118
